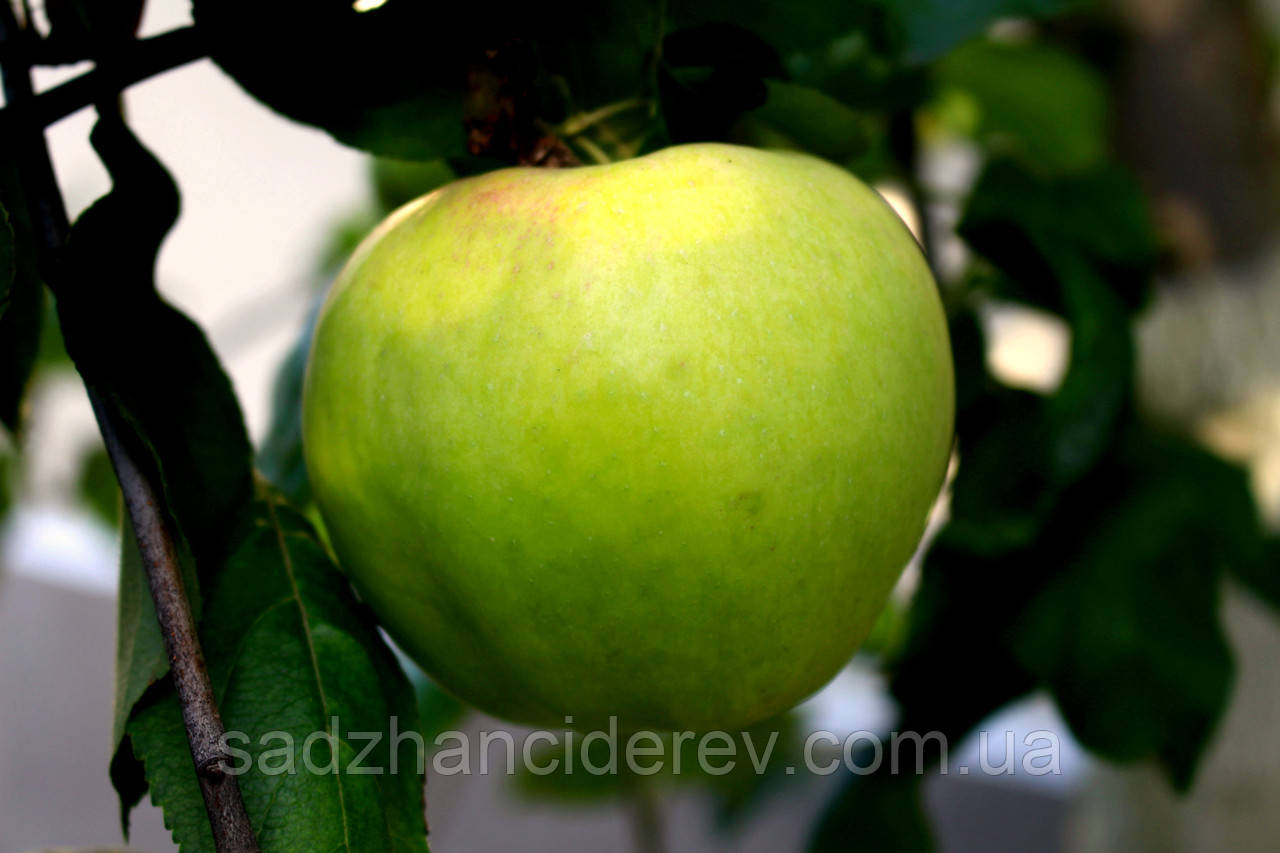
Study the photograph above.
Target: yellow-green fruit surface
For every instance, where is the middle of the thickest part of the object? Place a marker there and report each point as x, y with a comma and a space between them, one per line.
652, 439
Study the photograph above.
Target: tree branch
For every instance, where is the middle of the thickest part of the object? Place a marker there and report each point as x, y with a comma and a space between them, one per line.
232, 832
146, 58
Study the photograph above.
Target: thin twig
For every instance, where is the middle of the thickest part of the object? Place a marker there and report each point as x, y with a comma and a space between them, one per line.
228, 820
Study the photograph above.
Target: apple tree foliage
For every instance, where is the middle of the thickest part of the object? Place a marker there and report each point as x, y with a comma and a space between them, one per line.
1086, 548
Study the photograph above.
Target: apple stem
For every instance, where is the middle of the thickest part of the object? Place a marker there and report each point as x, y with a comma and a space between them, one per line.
228, 820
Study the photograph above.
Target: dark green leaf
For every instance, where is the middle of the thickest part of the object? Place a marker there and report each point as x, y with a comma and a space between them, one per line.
280, 457
969, 356
292, 654
8, 259
1004, 489
390, 79
53, 351
97, 487
932, 27
884, 813
710, 75
1019, 451
961, 613
1127, 635
1262, 575
422, 128
1025, 224
154, 372
804, 118
1085, 412
398, 182
141, 660
145, 358
1010, 84
591, 54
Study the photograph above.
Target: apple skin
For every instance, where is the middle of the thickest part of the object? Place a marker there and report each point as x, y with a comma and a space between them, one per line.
652, 439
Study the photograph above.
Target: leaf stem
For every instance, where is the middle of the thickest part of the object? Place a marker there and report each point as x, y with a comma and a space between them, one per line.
232, 832
584, 121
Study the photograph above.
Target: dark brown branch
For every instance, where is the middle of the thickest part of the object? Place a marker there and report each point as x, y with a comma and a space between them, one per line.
232, 832
227, 817
145, 58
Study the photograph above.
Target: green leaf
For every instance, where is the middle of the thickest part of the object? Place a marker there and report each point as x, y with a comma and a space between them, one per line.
1127, 635
141, 658
932, 27
1080, 247
1085, 412
1026, 224
1004, 489
141, 661
398, 182
140, 654
424, 127
812, 121
96, 485
154, 372
883, 813
1262, 576
293, 655
1011, 85
280, 457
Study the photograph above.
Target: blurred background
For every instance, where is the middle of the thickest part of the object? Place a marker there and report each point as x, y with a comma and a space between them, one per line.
1181, 92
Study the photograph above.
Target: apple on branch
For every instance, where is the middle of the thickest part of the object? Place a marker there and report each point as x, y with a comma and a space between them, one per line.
651, 439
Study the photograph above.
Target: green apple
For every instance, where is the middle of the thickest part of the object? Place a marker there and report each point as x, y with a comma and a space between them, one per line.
652, 439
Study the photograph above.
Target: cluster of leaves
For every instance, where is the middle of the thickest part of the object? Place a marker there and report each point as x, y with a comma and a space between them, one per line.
1085, 549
